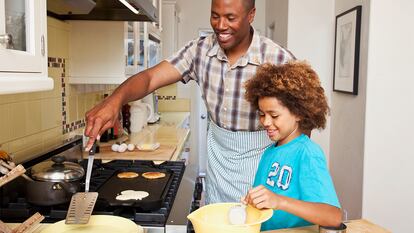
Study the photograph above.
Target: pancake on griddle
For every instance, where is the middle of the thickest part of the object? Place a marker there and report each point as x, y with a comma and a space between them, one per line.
153, 175
127, 175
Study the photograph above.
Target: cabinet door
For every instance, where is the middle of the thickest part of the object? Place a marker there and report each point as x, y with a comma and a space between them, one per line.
24, 21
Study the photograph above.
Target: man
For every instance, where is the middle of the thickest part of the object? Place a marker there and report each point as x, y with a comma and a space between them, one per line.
219, 63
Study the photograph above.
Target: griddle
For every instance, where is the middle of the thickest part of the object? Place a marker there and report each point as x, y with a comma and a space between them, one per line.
157, 189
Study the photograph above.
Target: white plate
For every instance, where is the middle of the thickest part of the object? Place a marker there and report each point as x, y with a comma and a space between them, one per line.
97, 223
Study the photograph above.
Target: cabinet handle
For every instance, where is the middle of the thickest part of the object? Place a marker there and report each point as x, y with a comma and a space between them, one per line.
203, 116
42, 42
7, 41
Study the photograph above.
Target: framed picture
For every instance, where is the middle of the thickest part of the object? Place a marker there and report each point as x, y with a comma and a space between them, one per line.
347, 40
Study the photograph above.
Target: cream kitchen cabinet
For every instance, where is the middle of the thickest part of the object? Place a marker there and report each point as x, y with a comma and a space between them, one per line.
108, 52
23, 52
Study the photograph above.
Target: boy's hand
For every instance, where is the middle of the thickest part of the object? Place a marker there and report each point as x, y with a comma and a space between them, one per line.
262, 198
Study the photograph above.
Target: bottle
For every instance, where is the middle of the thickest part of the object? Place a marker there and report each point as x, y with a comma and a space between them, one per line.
126, 118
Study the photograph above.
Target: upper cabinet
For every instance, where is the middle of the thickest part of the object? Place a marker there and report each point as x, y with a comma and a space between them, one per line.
23, 52
108, 52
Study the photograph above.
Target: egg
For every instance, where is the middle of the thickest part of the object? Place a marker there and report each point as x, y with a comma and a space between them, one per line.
122, 148
115, 147
131, 147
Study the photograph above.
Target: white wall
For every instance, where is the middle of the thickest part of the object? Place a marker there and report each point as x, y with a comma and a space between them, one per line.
347, 126
310, 37
389, 155
277, 17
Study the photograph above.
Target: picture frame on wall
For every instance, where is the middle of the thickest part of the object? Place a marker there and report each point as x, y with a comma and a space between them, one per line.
347, 48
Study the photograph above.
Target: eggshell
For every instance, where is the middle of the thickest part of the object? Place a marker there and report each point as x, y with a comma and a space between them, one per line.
122, 148
131, 147
114, 147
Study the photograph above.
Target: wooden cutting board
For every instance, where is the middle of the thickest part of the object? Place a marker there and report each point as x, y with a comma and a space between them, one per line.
164, 152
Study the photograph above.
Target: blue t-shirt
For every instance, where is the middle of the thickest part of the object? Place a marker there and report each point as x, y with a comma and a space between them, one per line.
298, 170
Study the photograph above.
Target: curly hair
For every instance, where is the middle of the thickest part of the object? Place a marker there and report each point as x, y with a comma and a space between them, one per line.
297, 86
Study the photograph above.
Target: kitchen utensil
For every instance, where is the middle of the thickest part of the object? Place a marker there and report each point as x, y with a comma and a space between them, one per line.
237, 214
152, 100
57, 170
7, 166
54, 182
141, 113
214, 218
12, 174
340, 229
97, 224
30, 224
156, 188
81, 205
27, 226
4, 228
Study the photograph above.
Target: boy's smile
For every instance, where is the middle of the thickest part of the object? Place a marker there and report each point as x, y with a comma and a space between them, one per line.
281, 125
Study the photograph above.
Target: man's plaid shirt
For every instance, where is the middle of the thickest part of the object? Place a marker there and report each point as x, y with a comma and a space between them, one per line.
222, 85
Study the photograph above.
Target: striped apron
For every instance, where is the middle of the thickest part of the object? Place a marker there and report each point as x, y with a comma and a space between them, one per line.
233, 158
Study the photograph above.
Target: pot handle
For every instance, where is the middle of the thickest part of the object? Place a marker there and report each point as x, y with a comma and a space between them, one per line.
69, 188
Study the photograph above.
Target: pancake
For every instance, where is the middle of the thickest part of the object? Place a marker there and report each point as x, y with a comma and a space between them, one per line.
127, 175
153, 175
131, 195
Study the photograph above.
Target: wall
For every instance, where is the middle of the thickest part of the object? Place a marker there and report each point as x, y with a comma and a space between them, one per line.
388, 178
32, 123
277, 17
315, 44
347, 126
308, 28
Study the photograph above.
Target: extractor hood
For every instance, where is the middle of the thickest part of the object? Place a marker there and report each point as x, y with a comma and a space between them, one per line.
111, 10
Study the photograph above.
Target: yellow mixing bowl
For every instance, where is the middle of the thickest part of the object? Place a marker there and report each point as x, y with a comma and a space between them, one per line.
213, 218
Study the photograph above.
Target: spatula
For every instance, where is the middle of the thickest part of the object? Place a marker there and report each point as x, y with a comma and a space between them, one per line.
81, 204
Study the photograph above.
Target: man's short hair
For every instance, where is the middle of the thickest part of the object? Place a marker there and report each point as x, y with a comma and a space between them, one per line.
249, 4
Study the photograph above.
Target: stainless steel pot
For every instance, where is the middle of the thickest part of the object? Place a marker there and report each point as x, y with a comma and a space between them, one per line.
54, 182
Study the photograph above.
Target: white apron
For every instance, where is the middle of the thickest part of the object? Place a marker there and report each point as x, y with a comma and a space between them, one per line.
233, 158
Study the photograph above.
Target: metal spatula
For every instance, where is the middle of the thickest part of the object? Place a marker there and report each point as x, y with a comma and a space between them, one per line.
81, 204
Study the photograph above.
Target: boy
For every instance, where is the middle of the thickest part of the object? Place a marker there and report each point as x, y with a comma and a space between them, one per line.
292, 177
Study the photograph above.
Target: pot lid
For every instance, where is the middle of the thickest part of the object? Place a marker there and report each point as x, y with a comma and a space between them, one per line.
57, 170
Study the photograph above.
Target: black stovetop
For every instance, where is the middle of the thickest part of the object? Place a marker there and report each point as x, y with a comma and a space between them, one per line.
15, 208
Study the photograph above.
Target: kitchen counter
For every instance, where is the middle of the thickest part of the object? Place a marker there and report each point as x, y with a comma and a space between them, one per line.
170, 130
353, 226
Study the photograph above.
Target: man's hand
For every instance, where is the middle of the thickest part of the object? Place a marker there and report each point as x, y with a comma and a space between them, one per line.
100, 118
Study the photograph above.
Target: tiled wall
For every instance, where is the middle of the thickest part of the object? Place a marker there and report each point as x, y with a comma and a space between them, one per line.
32, 123
168, 101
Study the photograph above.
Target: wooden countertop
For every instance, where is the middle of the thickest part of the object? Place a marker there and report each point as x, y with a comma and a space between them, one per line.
170, 132
353, 226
